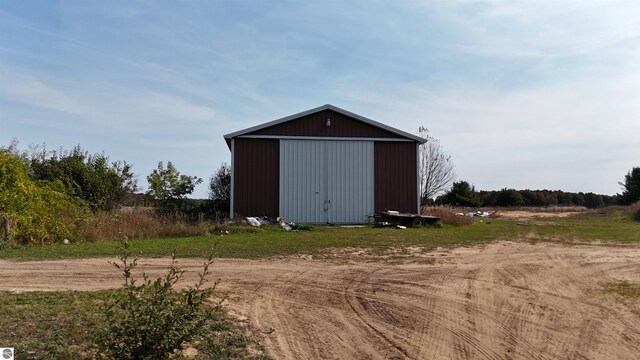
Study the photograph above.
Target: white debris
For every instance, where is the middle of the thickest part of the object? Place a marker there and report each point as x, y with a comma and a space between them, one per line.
66, 241
401, 227
253, 221
285, 226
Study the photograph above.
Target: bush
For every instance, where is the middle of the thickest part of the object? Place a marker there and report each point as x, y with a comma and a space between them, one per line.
153, 320
634, 209
38, 212
100, 183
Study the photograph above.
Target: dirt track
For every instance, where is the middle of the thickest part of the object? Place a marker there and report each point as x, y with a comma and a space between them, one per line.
501, 301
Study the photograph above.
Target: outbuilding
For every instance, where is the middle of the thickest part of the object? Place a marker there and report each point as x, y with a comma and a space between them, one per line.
323, 166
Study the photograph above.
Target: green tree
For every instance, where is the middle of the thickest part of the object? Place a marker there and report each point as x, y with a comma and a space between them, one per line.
631, 187
593, 201
461, 194
170, 187
509, 197
220, 183
550, 199
102, 184
577, 199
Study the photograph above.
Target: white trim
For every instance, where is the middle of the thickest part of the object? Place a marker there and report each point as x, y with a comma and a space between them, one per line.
232, 178
418, 176
321, 108
332, 138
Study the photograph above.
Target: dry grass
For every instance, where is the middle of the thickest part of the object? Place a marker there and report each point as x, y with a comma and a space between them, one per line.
447, 214
141, 223
233, 227
539, 209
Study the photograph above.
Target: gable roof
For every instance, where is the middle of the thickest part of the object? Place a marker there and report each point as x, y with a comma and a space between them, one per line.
363, 119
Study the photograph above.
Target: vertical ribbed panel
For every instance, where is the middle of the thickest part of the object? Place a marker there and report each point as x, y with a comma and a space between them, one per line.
302, 181
326, 181
255, 177
350, 180
396, 177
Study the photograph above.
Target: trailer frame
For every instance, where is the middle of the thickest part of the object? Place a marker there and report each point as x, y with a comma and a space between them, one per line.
406, 219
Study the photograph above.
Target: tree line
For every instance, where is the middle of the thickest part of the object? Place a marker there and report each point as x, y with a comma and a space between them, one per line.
462, 193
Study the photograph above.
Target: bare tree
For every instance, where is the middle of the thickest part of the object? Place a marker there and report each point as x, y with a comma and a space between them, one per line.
436, 168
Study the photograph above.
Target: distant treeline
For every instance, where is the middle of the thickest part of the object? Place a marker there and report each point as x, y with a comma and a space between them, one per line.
547, 198
464, 194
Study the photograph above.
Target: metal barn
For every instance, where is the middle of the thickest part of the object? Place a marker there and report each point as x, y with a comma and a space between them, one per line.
323, 166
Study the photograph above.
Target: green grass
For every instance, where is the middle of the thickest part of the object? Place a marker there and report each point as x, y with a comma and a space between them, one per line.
271, 241
609, 227
61, 325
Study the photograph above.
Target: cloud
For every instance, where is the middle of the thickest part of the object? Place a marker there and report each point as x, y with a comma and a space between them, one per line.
156, 105
540, 29
33, 92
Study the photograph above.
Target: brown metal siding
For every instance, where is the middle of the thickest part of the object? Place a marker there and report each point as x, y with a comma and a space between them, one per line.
256, 177
315, 125
395, 177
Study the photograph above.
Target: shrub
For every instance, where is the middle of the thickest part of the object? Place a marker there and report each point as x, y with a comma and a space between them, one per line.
153, 320
100, 183
38, 212
634, 209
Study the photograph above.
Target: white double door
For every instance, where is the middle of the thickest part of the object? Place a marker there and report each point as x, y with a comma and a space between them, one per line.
326, 181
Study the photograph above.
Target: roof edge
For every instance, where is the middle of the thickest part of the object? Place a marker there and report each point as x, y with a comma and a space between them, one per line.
388, 128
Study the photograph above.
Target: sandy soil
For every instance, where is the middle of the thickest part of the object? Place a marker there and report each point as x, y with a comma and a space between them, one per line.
528, 214
501, 301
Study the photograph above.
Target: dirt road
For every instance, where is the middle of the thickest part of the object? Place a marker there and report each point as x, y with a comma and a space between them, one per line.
501, 301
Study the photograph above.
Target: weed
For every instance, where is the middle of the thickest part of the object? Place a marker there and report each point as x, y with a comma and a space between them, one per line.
232, 227
139, 223
447, 215
153, 320
303, 227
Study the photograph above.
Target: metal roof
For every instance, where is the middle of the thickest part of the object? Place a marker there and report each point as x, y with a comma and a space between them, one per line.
374, 123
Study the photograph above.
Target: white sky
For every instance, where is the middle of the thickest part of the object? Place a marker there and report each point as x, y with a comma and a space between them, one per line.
522, 94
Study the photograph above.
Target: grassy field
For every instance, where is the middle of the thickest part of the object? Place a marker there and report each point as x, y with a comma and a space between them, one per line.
268, 241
